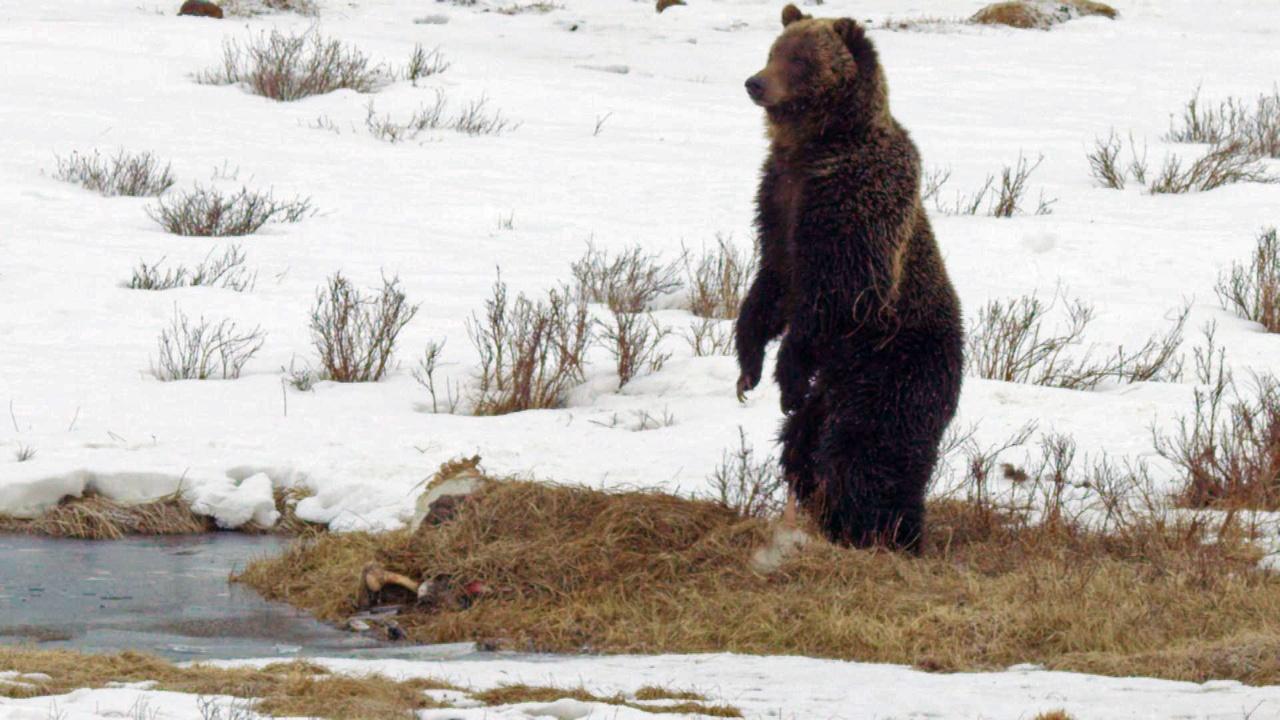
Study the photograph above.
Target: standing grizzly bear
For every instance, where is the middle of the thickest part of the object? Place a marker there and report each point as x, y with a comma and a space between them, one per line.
870, 365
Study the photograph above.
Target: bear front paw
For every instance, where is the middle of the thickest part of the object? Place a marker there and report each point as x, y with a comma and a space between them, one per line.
747, 381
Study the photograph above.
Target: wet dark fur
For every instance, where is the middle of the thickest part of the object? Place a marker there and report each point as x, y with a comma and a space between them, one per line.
870, 365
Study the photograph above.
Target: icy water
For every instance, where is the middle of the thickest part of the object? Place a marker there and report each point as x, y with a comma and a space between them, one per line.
167, 595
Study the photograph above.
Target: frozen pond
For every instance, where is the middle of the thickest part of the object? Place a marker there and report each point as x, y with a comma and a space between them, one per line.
166, 595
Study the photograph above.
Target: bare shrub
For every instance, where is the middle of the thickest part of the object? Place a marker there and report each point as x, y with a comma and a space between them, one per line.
208, 212
250, 8
539, 7
932, 183
641, 421
1234, 120
600, 121
426, 117
301, 378
635, 341
531, 353
226, 271
748, 486
922, 24
708, 336
355, 334
129, 174
1225, 164
1137, 163
719, 278
471, 120
203, 350
424, 63
1104, 162
628, 282
1008, 342
1209, 359
1229, 447
1013, 185
476, 119
24, 453
288, 67
1253, 291
1003, 199
446, 399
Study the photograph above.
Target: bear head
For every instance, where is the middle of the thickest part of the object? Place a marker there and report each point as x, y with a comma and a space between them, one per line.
820, 71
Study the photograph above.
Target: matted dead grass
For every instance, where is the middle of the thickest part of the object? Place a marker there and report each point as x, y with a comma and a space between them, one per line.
1030, 14
578, 570
299, 688
93, 516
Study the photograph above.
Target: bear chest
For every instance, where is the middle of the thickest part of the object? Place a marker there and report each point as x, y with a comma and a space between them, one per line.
787, 205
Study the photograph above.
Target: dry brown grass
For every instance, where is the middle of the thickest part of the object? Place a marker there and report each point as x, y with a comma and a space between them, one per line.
572, 569
1014, 14
94, 517
519, 693
1039, 15
296, 689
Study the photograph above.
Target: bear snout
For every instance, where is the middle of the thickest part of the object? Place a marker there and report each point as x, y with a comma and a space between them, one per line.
755, 88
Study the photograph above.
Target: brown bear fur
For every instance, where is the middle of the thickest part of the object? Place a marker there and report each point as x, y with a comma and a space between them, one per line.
870, 363
202, 8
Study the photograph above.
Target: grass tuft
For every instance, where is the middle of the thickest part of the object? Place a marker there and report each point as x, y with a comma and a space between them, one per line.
472, 119
288, 67
129, 174
424, 63
226, 271
206, 212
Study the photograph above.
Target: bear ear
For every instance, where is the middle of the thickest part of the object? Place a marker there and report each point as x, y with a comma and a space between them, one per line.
790, 14
855, 39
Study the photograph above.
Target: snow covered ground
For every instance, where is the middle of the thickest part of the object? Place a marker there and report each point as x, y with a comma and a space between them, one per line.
673, 165
787, 688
